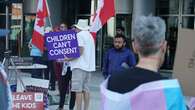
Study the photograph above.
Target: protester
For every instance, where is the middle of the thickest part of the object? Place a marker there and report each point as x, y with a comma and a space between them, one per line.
49, 71
57, 65
84, 65
65, 79
63, 27
36, 54
142, 87
150, 45
64, 84
73, 94
118, 57
5, 92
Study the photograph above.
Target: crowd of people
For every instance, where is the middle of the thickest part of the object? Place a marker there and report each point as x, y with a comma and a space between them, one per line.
123, 75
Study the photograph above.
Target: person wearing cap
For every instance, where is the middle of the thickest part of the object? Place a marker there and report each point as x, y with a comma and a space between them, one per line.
83, 66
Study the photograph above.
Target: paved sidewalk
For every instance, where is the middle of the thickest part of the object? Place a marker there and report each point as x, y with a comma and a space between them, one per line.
96, 80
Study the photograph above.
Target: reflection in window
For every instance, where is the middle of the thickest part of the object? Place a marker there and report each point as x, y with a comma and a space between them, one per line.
28, 30
168, 6
16, 28
189, 7
84, 6
124, 20
171, 37
188, 22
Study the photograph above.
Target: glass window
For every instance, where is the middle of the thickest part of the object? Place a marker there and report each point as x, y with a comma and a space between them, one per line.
188, 22
171, 37
2, 8
172, 24
189, 7
28, 30
84, 7
2, 39
168, 6
2, 21
124, 20
16, 28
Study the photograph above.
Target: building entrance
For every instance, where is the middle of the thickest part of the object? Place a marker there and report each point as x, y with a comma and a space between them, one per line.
177, 14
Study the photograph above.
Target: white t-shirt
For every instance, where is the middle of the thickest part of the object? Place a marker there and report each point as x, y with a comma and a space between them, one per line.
87, 60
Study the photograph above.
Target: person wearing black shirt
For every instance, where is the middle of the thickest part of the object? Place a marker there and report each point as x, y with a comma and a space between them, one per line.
131, 78
137, 88
150, 45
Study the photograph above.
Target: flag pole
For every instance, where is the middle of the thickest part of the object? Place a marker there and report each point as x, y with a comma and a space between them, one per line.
50, 23
49, 17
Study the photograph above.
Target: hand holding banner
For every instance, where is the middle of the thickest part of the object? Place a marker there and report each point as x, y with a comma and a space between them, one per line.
61, 44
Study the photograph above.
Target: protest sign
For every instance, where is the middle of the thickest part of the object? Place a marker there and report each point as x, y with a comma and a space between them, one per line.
184, 65
34, 85
61, 45
27, 101
31, 82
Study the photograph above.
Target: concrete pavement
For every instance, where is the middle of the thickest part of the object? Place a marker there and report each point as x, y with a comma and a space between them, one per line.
96, 80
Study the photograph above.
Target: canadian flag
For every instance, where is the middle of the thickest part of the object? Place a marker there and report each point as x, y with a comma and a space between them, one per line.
104, 12
38, 33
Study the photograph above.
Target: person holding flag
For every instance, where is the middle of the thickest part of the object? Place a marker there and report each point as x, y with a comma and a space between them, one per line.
104, 12
36, 44
39, 26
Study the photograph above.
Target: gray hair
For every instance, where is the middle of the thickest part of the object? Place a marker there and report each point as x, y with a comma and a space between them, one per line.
148, 32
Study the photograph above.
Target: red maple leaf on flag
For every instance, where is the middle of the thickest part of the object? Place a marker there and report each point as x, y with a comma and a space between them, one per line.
38, 33
40, 16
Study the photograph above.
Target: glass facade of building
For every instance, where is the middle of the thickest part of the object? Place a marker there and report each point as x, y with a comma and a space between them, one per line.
176, 13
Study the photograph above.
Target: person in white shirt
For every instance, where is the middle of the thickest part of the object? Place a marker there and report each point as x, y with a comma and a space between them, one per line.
83, 66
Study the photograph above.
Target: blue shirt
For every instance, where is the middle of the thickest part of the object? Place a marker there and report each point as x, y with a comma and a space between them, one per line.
115, 60
35, 51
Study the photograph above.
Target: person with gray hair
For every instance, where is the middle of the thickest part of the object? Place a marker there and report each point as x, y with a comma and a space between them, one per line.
149, 34
129, 89
150, 45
